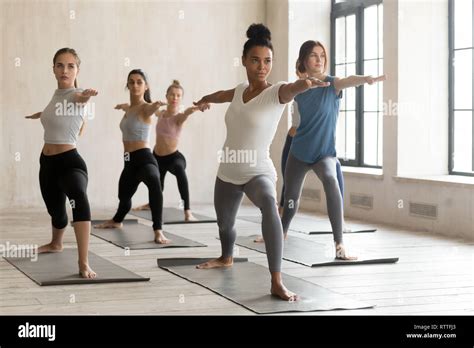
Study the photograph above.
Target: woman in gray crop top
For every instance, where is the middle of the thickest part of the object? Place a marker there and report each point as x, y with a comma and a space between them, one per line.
139, 163
63, 172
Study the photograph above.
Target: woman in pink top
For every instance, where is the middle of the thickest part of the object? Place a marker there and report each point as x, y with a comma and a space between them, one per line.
168, 130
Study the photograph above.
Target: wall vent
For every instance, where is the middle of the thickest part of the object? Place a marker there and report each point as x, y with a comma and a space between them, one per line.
424, 210
362, 201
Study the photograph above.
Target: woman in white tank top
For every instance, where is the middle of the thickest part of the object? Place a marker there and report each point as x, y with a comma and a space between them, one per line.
245, 164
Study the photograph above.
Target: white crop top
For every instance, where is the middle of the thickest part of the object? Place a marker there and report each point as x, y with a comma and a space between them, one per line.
62, 119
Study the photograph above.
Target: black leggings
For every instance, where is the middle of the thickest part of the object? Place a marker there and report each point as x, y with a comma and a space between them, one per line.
62, 175
175, 163
140, 166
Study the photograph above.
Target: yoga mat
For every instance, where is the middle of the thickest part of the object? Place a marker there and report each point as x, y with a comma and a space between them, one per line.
134, 235
314, 254
248, 285
61, 268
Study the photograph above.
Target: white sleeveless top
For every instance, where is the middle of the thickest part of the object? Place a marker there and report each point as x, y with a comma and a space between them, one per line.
62, 119
251, 127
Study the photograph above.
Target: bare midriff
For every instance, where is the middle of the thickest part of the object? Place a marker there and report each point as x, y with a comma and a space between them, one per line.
55, 149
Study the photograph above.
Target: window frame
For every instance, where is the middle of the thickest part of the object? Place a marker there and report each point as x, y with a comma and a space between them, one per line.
451, 136
343, 9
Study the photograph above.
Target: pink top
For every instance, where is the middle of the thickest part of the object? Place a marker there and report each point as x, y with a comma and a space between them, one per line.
168, 127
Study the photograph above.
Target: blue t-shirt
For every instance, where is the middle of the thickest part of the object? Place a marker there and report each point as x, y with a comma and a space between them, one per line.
316, 135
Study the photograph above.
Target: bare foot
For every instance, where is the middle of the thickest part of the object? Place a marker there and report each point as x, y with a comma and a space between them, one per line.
109, 224
86, 272
341, 253
50, 248
142, 207
160, 238
188, 216
346, 229
279, 290
260, 239
216, 263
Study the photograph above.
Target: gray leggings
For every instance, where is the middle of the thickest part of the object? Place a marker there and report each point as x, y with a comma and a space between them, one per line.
295, 174
261, 191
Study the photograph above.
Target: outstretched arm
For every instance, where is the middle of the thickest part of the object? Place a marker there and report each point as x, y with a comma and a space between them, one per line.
217, 98
189, 111
84, 96
124, 107
34, 116
356, 80
151, 108
290, 90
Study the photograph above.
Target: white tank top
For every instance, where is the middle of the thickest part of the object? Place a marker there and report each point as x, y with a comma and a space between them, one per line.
251, 127
62, 119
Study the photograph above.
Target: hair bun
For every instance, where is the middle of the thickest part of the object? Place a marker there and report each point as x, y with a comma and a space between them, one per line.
259, 32
176, 82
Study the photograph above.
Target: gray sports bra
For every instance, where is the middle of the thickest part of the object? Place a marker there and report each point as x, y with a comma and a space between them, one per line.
134, 129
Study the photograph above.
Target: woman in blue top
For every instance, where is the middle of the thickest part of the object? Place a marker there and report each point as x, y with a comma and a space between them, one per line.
313, 146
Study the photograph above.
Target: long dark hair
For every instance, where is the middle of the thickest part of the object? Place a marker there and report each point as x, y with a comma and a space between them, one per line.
305, 50
140, 72
258, 35
71, 51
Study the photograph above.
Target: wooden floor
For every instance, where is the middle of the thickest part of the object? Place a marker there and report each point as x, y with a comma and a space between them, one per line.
435, 275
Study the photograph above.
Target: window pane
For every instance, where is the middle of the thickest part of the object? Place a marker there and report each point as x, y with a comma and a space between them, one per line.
350, 135
350, 98
463, 79
351, 39
370, 32
380, 31
349, 93
340, 40
462, 23
341, 71
462, 153
351, 69
370, 138
370, 91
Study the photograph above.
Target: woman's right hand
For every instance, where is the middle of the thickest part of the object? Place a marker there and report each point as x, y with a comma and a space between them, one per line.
121, 107
200, 103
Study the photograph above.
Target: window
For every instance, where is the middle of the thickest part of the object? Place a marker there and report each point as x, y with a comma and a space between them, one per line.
461, 59
357, 49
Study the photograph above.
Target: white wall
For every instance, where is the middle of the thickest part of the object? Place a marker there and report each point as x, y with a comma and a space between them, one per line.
195, 42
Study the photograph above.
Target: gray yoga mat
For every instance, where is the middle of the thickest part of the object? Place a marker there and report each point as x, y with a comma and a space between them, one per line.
134, 235
173, 216
61, 268
247, 284
314, 254
314, 225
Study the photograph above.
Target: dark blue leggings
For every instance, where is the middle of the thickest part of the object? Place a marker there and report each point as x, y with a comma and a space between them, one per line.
284, 158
